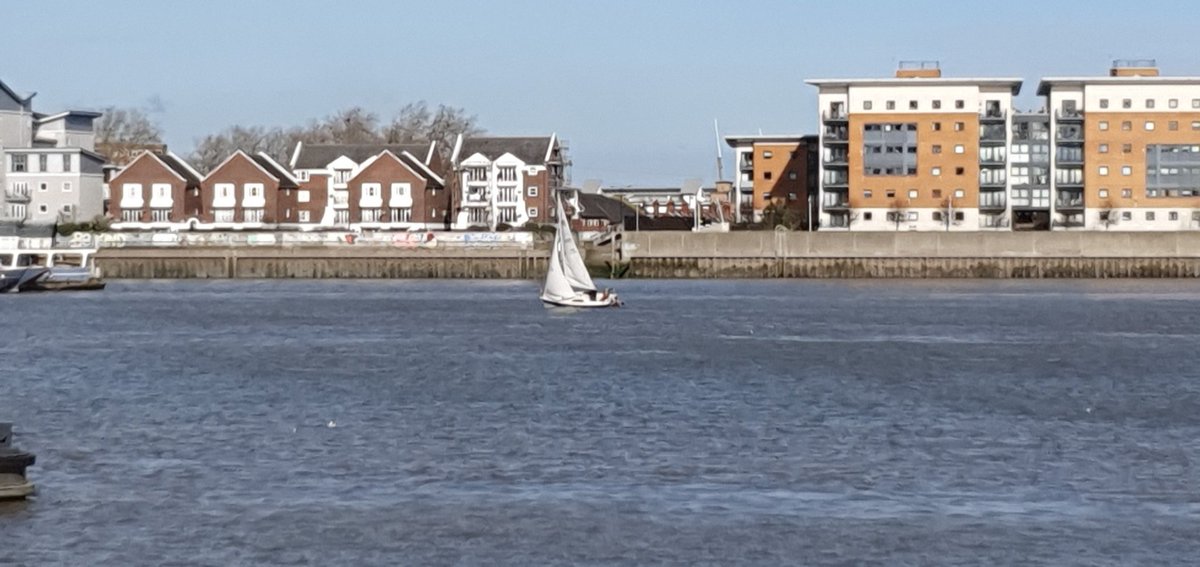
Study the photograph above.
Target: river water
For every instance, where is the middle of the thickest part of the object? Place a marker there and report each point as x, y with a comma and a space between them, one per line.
720, 423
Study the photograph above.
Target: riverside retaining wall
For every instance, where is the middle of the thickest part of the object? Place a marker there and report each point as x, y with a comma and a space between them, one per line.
911, 255
704, 255
319, 262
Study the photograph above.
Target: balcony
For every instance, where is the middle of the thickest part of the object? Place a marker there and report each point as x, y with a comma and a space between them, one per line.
18, 195
993, 134
830, 116
993, 180
1069, 204
1070, 134
836, 135
992, 204
992, 159
993, 115
747, 166
1069, 158
1068, 115
835, 202
838, 159
836, 180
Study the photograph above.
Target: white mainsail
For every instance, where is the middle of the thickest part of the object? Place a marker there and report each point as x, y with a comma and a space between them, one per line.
572, 261
557, 287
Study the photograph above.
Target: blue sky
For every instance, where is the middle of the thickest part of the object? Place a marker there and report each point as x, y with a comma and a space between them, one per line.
633, 85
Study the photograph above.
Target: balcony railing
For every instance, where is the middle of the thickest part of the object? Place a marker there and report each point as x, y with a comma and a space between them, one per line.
838, 159
835, 203
1070, 134
1065, 115
993, 133
993, 180
993, 115
992, 204
17, 195
836, 180
831, 116
747, 165
1069, 204
131, 215
837, 134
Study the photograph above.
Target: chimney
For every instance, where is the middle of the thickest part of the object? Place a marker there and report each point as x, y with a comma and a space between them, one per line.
919, 70
1134, 68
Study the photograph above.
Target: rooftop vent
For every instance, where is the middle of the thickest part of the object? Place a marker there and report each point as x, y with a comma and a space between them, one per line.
1134, 68
919, 70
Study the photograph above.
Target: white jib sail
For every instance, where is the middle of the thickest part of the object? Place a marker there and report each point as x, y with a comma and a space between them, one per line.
573, 266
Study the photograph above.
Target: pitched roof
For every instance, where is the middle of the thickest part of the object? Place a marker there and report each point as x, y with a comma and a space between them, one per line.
181, 167
531, 150
19, 98
277, 171
317, 156
592, 206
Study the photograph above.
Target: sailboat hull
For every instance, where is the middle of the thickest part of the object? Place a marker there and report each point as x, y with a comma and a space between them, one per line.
583, 301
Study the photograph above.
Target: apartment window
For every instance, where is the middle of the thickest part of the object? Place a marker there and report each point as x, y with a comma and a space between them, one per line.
1126, 215
1149, 103
1173, 103
1104, 170
866, 105
1103, 148
1126, 148
1104, 193
1103, 125
302, 196
937, 149
43, 162
960, 104
912, 105
1173, 125
958, 126
912, 216
1127, 103
937, 193
1126, 193
19, 163
959, 193
792, 175
937, 215
1149, 125
532, 190
866, 193
533, 212
1126, 170
958, 149
43, 186
959, 215
1103, 103
891, 193
937, 126
959, 171
912, 193
1173, 216
303, 216
767, 175
66, 162
867, 216
66, 186
891, 105
937, 104
43, 209
1149, 215
936, 171
1196, 125
1196, 103
301, 176
1126, 126
767, 154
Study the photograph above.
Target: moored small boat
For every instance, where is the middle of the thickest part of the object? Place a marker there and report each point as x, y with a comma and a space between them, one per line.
48, 270
13, 462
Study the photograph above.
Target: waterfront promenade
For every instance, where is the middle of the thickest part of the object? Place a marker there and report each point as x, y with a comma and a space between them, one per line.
759, 254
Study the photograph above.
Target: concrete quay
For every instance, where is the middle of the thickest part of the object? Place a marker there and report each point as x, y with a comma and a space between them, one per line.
761, 254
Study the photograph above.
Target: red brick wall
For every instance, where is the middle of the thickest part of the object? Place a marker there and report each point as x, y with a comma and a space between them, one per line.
147, 171
239, 171
318, 195
543, 200
385, 171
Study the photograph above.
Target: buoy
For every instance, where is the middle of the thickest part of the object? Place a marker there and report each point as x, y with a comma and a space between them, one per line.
331, 424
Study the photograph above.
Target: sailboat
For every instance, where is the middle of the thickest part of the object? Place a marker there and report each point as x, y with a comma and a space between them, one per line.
568, 283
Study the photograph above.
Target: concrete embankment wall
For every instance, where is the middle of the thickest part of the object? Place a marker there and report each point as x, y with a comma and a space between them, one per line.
319, 262
703, 255
911, 255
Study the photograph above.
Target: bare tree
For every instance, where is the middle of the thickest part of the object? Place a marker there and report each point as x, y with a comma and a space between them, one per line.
122, 133
213, 149
415, 122
897, 212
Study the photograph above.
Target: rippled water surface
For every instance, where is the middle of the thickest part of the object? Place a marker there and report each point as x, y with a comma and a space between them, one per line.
721, 423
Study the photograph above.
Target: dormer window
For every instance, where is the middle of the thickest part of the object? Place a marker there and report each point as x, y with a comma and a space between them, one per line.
341, 175
19, 164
